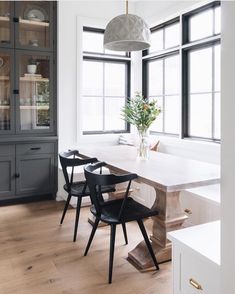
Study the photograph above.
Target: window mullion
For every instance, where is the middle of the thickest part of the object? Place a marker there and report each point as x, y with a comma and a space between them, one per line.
213, 92
163, 95
103, 116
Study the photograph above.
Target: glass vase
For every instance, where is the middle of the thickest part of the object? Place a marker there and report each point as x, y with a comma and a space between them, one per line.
143, 146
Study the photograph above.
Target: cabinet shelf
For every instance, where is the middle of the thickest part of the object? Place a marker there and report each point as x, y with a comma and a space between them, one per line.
34, 107
32, 25
4, 107
33, 79
4, 18
4, 78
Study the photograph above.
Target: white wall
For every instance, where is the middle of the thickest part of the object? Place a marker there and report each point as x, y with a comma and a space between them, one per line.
228, 148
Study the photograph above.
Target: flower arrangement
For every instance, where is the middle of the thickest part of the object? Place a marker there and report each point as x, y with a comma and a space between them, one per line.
140, 112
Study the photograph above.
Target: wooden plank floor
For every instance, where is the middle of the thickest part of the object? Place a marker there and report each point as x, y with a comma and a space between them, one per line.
37, 255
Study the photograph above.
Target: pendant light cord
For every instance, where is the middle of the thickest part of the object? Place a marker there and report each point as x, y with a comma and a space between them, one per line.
126, 7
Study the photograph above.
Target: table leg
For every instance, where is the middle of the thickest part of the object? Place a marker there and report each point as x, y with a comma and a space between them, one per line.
170, 217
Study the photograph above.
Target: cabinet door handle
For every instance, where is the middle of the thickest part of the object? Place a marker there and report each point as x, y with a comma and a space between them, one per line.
195, 284
17, 175
35, 148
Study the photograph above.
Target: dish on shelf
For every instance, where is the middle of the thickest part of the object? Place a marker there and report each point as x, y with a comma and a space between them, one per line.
35, 13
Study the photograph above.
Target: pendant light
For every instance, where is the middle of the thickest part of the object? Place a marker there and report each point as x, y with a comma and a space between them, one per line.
127, 32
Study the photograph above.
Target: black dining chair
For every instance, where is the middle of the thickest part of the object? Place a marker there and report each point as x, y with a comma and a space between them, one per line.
79, 189
115, 212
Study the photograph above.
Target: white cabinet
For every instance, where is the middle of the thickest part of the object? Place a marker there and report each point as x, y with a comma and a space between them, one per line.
196, 259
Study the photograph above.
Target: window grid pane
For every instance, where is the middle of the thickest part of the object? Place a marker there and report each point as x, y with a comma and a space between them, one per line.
163, 85
200, 70
155, 77
172, 35
112, 117
200, 111
201, 25
156, 41
91, 38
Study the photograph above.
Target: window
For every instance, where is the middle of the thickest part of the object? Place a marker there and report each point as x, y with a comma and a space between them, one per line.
163, 75
204, 24
204, 92
165, 37
184, 75
106, 82
163, 85
202, 116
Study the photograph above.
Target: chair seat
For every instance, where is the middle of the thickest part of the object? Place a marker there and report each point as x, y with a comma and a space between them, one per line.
133, 211
77, 188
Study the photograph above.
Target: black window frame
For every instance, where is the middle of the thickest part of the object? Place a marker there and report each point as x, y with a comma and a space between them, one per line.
163, 54
184, 48
112, 58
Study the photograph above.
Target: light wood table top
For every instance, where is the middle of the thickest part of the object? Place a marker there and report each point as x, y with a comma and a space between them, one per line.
166, 172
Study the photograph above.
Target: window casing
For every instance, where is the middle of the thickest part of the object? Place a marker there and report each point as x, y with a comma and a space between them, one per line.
198, 106
106, 85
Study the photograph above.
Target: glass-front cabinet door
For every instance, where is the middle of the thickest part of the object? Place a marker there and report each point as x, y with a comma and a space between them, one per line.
34, 28
6, 109
6, 24
34, 102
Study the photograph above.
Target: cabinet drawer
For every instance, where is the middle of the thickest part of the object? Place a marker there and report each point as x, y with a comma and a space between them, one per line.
198, 271
35, 148
7, 150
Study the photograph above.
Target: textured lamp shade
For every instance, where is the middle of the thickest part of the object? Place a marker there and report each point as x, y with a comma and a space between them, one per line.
127, 32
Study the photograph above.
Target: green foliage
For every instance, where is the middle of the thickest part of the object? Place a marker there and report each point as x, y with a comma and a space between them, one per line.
140, 112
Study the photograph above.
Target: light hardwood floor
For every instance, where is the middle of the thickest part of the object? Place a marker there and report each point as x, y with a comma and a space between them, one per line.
37, 255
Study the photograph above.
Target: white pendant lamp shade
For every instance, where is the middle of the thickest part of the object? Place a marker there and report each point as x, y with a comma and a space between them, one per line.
127, 32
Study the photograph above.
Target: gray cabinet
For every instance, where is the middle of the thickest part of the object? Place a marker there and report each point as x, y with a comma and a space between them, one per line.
27, 170
35, 174
7, 171
28, 100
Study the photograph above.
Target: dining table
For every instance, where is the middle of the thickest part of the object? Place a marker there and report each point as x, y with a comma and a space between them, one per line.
168, 175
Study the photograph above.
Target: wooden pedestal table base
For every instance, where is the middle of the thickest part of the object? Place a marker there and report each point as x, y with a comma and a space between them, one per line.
170, 217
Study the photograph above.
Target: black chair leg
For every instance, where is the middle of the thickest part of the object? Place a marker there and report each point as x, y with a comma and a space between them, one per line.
150, 249
91, 235
77, 218
65, 208
124, 232
111, 252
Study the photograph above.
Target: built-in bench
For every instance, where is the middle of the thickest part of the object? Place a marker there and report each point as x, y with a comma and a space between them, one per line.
201, 204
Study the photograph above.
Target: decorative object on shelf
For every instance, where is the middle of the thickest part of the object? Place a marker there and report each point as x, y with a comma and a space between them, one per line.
32, 66
33, 43
127, 32
141, 113
35, 13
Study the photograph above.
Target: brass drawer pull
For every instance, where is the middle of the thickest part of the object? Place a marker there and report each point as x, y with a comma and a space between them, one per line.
195, 284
